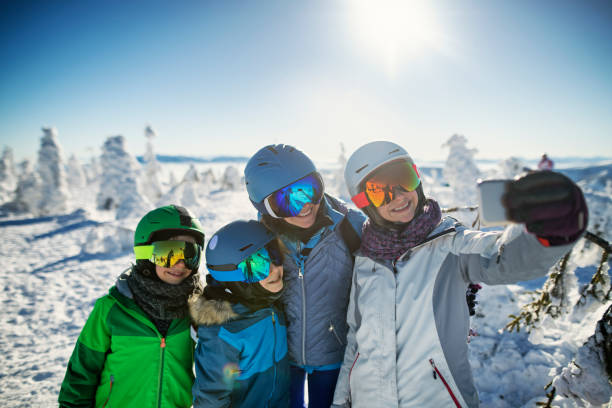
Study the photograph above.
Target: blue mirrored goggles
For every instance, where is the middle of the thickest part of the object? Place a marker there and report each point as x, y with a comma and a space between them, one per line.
289, 201
254, 268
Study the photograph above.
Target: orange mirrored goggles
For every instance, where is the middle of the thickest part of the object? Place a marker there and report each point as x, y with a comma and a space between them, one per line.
382, 186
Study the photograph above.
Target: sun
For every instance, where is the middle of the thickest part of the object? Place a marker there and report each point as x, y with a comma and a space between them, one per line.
394, 31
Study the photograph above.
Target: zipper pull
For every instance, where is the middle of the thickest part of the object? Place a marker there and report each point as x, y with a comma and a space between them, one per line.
433, 365
273, 318
300, 274
331, 327
163, 342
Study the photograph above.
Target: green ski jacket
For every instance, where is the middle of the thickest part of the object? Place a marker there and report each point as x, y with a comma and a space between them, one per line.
121, 360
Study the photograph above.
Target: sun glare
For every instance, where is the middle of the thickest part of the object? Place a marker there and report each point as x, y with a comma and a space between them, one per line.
394, 31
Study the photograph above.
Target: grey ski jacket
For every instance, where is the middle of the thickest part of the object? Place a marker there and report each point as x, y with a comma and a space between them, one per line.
317, 288
408, 320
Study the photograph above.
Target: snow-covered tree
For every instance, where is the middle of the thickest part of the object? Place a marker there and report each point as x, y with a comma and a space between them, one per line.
588, 377
552, 300
75, 175
231, 179
150, 183
119, 188
460, 170
92, 168
186, 192
208, 178
191, 174
54, 191
172, 179
337, 177
8, 176
27, 194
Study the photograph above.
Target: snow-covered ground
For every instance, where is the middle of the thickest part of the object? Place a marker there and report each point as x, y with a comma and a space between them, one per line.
54, 268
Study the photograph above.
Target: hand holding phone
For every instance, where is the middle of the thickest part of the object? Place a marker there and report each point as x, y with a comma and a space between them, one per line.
549, 204
490, 206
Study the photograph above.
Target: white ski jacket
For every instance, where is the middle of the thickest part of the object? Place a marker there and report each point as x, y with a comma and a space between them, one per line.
409, 321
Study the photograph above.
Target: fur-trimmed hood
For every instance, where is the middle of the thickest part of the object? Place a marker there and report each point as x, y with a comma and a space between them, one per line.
209, 312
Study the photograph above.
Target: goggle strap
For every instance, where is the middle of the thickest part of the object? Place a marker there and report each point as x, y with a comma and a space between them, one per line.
269, 208
143, 251
361, 200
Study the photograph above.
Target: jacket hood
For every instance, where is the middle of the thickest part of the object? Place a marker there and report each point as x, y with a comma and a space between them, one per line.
122, 285
208, 312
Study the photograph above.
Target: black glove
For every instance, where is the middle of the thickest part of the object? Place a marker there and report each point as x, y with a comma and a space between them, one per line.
549, 204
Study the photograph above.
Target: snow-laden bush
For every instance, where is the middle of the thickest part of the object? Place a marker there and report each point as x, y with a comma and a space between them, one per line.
119, 187
151, 185
460, 170
231, 180
54, 189
512, 167
108, 238
75, 175
8, 176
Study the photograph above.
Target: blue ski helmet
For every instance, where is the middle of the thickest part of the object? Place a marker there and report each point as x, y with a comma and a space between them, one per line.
231, 245
272, 168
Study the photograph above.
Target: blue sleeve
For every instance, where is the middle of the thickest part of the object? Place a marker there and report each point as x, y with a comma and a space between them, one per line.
216, 369
356, 218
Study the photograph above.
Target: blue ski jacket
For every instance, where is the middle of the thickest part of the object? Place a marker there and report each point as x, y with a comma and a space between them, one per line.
240, 357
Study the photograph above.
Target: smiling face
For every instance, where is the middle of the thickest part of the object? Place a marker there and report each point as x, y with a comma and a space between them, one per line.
401, 209
177, 272
306, 217
274, 281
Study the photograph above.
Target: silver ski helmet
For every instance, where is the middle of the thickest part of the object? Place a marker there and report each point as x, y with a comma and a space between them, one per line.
272, 168
368, 159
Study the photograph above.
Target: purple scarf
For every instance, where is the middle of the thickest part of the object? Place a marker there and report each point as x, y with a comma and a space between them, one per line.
382, 243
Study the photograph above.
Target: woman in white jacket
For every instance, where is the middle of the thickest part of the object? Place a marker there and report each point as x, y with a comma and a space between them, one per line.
408, 318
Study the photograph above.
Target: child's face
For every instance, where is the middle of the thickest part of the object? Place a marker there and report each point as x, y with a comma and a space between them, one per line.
274, 281
306, 217
401, 208
178, 272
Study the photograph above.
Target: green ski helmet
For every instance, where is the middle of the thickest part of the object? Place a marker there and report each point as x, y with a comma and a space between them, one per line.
165, 222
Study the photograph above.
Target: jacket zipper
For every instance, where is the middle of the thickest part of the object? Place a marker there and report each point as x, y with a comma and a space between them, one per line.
110, 390
437, 373
349, 376
273, 360
301, 278
162, 347
333, 330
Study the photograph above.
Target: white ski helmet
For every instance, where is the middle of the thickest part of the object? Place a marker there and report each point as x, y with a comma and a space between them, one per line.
367, 159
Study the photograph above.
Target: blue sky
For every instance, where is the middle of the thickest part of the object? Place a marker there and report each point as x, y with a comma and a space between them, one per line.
228, 77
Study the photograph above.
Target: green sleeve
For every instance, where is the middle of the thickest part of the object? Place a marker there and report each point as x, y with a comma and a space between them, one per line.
87, 360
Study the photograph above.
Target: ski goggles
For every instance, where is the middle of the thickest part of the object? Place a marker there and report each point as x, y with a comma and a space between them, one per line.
254, 268
167, 253
382, 187
289, 200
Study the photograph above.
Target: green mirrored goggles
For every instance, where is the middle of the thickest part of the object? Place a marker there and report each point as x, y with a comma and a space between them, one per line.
167, 253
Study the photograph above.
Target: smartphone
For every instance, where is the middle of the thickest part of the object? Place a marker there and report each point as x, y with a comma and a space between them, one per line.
492, 211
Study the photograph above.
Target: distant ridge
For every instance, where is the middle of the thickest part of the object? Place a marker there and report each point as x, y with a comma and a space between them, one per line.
193, 159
